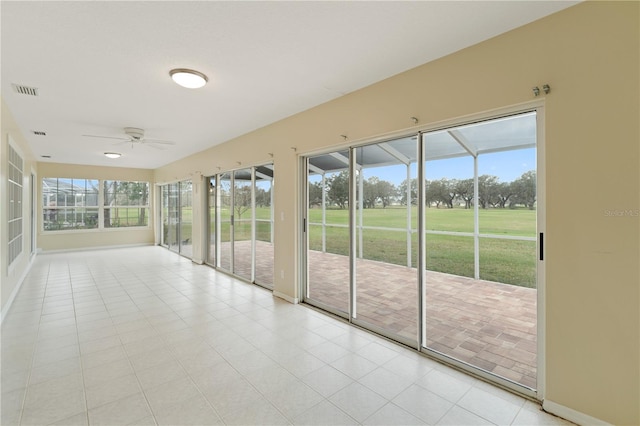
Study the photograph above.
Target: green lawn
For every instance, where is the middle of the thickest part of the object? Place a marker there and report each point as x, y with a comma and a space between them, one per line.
506, 261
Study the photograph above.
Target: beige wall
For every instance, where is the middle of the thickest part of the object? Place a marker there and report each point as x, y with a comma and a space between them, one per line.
589, 55
67, 240
10, 277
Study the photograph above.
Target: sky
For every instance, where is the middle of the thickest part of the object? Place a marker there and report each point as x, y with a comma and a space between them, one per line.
508, 166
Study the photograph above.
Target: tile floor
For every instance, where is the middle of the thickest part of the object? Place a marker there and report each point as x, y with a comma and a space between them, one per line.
143, 336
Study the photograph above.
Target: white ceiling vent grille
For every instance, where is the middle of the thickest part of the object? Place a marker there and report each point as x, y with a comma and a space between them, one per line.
25, 90
39, 133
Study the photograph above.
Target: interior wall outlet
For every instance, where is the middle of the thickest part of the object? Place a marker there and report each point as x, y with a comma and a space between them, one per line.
282, 274
282, 216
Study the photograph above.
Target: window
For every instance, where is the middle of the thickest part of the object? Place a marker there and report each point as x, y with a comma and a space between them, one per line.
125, 203
14, 203
80, 204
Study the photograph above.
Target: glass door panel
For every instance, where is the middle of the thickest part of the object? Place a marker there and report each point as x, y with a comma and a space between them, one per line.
264, 226
164, 212
174, 216
328, 270
186, 221
242, 223
480, 220
386, 276
211, 220
225, 222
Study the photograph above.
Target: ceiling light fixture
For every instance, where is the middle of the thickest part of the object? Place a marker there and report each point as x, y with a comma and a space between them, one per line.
188, 78
112, 154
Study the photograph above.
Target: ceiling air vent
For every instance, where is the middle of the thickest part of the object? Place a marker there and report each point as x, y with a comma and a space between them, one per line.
39, 133
25, 90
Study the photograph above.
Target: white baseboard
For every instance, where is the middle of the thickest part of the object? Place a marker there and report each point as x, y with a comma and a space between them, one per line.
71, 250
286, 297
16, 289
571, 414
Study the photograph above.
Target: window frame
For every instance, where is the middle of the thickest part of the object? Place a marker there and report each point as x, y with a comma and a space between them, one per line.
99, 207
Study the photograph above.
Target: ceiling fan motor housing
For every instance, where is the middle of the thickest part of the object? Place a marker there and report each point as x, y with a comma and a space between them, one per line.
134, 132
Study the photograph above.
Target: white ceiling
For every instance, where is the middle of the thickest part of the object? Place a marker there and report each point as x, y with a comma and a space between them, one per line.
102, 66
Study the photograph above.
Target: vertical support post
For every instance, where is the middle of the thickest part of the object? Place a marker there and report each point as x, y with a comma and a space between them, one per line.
409, 215
253, 224
476, 222
352, 234
422, 246
360, 211
271, 216
324, 213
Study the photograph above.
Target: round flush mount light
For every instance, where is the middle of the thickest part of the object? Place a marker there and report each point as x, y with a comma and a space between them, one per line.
112, 154
188, 78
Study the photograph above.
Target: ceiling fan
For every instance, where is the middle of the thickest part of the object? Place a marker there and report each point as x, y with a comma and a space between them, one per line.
135, 136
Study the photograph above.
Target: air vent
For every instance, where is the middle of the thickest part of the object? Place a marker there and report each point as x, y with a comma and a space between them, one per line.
39, 133
25, 90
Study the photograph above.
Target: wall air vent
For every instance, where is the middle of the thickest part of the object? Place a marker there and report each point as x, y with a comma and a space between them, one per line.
39, 133
25, 90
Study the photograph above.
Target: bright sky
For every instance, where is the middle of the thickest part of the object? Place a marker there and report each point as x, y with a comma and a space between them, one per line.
508, 166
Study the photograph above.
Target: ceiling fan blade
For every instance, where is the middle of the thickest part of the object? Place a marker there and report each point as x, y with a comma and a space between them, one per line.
156, 147
159, 141
106, 137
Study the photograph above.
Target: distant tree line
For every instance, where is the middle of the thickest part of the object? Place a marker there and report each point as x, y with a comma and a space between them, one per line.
445, 193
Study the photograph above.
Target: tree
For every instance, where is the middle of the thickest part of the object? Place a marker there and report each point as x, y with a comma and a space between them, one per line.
433, 191
464, 188
504, 193
402, 192
370, 192
524, 189
242, 199
386, 192
338, 192
487, 190
315, 194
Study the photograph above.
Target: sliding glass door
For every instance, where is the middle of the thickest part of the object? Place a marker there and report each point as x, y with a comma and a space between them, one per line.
328, 237
481, 228
175, 215
240, 218
431, 240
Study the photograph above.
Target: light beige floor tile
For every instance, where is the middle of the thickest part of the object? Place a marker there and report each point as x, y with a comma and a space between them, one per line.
81, 419
440, 383
54, 370
358, 401
489, 406
161, 373
262, 412
38, 394
294, 399
391, 414
112, 390
128, 410
171, 393
325, 413
55, 409
354, 366
195, 411
103, 373
385, 383
231, 397
43, 357
423, 404
327, 380
458, 416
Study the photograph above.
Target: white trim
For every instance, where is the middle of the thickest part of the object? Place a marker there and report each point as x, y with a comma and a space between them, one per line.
16, 289
571, 414
286, 297
119, 246
541, 227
